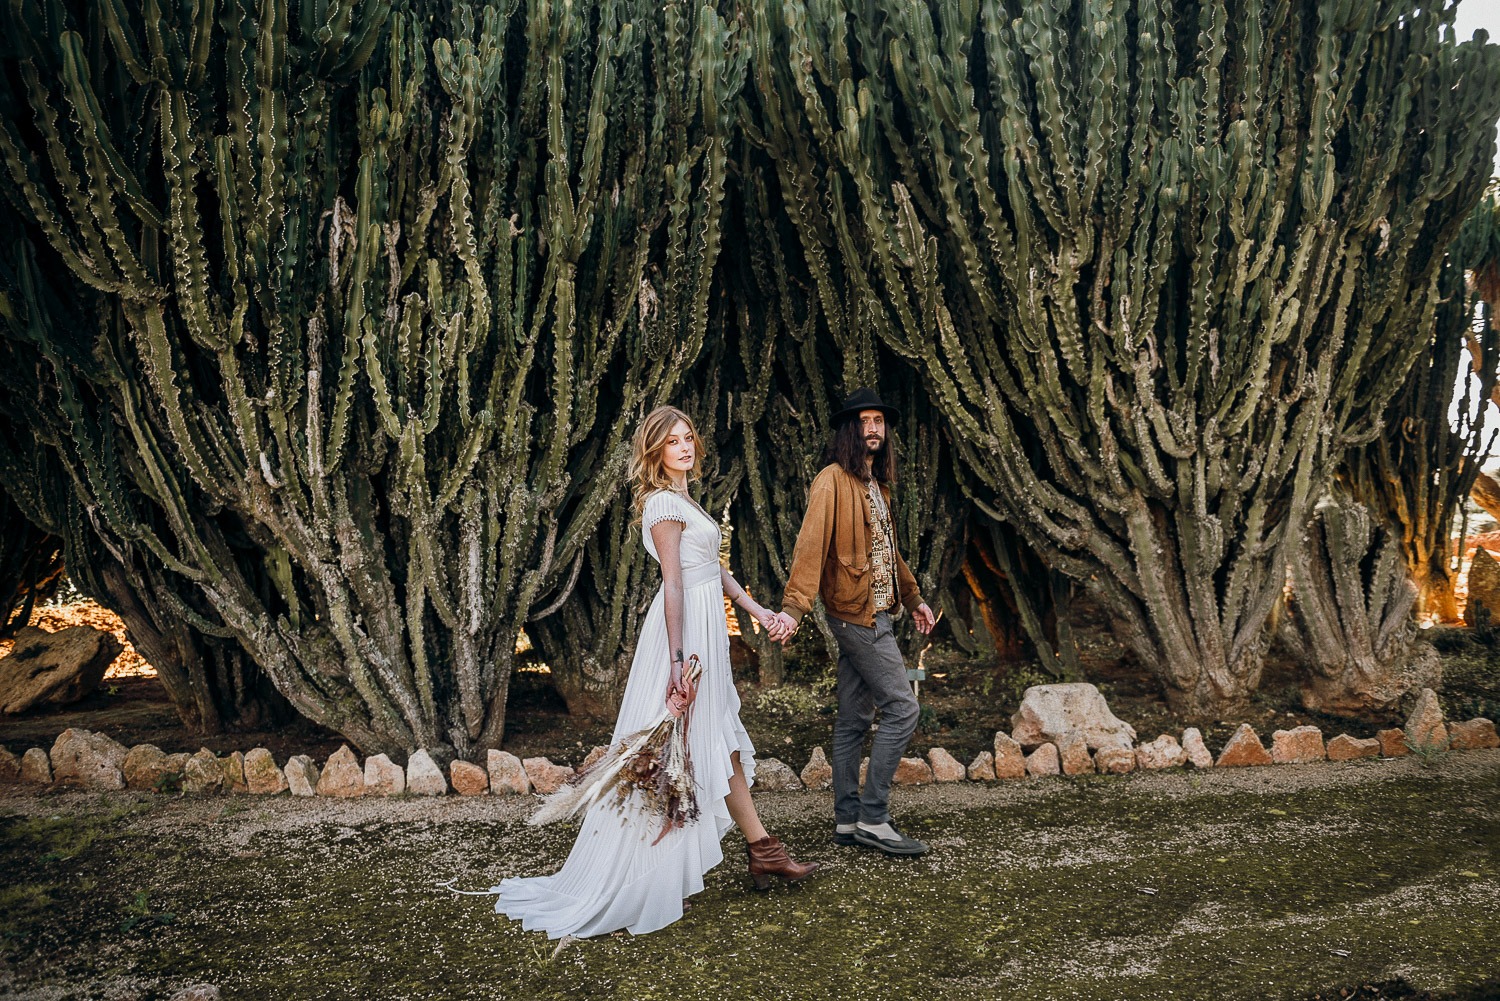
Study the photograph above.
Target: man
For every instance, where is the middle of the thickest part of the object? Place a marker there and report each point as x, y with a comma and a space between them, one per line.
846, 552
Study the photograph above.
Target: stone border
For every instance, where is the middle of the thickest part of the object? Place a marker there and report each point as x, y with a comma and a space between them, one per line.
83, 759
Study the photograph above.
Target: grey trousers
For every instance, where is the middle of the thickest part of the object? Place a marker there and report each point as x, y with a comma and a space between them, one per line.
872, 676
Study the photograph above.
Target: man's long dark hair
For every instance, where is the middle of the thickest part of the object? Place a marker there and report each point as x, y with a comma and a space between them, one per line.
848, 450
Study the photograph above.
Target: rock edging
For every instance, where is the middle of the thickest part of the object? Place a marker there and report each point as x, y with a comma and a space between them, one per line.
92, 761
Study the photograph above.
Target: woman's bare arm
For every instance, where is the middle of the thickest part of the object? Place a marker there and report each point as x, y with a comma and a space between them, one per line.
668, 538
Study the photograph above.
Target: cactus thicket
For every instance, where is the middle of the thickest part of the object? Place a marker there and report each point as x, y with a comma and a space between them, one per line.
386, 286
1157, 262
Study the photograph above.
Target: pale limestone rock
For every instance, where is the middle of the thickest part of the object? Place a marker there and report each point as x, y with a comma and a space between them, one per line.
1043, 761
203, 775
817, 773
342, 776
55, 668
545, 777
1297, 746
912, 772
1244, 748
1195, 749
86, 759
982, 768
146, 765
774, 776
301, 775
1114, 760
1347, 748
1010, 762
945, 767
507, 774
1472, 736
36, 767
1163, 752
1393, 743
1073, 754
1049, 711
383, 777
1425, 729
423, 776
262, 777
469, 779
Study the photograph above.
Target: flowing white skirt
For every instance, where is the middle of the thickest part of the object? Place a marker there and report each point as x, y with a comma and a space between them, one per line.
615, 877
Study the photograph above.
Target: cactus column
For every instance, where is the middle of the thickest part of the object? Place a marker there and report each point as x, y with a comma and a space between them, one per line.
1158, 262
1416, 475
375, 276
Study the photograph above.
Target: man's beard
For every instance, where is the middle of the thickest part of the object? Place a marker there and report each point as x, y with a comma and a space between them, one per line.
873, 445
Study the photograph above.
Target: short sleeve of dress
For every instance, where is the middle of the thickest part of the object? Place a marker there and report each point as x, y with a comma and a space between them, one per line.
661, 506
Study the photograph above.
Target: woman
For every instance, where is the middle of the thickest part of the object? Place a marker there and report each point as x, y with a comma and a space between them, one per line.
619, 875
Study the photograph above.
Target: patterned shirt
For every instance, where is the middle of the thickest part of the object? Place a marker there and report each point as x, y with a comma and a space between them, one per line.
882, 551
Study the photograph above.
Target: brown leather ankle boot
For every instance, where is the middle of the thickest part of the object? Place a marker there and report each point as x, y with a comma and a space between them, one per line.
768, 857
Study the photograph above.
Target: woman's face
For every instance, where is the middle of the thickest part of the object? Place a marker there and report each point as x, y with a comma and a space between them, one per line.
680, 452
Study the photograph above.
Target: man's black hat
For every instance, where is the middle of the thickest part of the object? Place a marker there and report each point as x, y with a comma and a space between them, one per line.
864, 398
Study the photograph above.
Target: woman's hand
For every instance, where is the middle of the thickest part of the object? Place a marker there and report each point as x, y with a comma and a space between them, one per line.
680, 691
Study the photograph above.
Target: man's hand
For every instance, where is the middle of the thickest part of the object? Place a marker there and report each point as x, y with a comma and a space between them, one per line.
788, 626
924, 619
772, 624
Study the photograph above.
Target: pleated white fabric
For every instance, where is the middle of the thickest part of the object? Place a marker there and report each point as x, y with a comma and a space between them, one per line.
615, 877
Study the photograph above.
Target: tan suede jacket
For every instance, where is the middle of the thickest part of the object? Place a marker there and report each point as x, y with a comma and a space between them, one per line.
832, 556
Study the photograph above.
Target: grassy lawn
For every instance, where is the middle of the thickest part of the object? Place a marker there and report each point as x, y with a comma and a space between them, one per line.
1280, 882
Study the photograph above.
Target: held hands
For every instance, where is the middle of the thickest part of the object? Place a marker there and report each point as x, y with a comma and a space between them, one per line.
778, 626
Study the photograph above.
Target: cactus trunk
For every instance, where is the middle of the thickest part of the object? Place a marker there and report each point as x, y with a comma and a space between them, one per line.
1349, 623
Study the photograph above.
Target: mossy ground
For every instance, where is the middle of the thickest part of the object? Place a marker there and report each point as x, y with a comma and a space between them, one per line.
1257, 883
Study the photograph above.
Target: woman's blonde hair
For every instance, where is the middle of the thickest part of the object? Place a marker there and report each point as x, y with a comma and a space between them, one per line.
647, 471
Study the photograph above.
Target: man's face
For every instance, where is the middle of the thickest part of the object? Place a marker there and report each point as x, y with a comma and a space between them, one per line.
872, 423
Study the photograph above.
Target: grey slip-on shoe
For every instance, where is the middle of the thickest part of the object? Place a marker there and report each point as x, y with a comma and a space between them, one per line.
902, 845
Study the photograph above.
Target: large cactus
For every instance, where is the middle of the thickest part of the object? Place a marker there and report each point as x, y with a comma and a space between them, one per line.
388, 288
802, 346
1175, 249
1416, 475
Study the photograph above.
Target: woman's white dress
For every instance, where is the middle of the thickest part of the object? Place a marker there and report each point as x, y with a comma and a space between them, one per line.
614, 876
